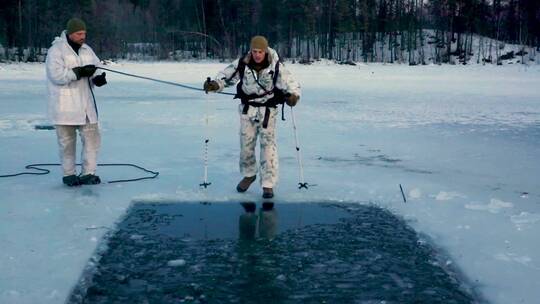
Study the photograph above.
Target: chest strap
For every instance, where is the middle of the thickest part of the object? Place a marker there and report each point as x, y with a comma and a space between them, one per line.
269, 104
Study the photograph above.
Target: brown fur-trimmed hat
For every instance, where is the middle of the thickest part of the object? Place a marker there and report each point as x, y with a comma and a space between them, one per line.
259, 42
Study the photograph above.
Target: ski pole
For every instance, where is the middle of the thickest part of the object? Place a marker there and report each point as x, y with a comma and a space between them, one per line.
402, 194
302, 183
205, 183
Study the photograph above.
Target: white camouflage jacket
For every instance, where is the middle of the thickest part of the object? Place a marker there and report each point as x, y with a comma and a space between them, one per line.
70, 100
285, 81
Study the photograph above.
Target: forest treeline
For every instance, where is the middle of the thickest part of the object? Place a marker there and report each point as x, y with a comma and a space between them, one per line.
344, 30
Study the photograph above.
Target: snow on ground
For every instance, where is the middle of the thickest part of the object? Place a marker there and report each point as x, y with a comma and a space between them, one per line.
463, 141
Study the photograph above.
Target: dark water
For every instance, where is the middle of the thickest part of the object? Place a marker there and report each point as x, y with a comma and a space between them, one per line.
282, 253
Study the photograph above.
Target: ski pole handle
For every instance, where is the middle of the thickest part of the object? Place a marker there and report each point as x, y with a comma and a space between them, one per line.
208, 79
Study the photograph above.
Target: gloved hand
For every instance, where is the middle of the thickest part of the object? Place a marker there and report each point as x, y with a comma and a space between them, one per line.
292, 100
99, 80
84, 71
211, 86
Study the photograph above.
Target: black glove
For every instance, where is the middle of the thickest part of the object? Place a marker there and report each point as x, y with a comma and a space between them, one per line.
292, 100
99, 80
211, 86
84, 71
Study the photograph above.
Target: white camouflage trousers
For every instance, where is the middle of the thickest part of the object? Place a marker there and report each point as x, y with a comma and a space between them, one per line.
67, 141
251, 128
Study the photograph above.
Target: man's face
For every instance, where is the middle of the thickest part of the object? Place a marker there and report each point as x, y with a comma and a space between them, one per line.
258, 55
78, 37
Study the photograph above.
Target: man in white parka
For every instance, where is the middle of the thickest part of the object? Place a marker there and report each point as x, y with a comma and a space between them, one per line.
71, 65
263, 84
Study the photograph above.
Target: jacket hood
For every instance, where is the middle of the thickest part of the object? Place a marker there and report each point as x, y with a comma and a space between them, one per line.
63, 38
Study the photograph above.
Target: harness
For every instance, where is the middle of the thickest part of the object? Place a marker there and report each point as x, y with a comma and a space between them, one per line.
277, 99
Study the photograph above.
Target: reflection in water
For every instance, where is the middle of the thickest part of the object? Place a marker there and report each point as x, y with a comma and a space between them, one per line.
265, 222
259, 275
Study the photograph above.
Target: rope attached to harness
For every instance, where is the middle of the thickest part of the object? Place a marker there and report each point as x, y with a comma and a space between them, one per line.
160, 81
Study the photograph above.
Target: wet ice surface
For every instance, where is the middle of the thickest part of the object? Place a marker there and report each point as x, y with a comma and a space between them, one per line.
275, 253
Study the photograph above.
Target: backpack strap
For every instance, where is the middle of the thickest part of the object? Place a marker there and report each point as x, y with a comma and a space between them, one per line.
279, 95
276, 72
240, 68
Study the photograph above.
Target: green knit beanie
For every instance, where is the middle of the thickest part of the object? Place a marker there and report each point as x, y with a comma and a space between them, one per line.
259, 42
75, 25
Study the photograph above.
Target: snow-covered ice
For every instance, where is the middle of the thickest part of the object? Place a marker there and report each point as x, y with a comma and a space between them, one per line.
463, 141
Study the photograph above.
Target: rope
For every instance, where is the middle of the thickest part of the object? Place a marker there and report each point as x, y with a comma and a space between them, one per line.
32, 167
153, 173
161, 81
46, 171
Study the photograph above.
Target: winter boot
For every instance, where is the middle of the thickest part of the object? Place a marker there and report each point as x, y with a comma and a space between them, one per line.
90, 179
71, 180
268, 193
244, 184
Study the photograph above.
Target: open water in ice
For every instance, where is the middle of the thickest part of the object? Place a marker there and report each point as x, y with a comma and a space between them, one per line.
270, 253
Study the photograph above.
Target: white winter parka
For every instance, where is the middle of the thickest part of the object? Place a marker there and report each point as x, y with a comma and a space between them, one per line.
70, 100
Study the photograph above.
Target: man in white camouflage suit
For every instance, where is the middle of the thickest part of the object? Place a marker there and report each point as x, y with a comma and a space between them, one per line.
263, 84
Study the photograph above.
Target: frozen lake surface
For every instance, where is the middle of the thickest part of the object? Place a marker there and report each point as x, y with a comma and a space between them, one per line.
463, 141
